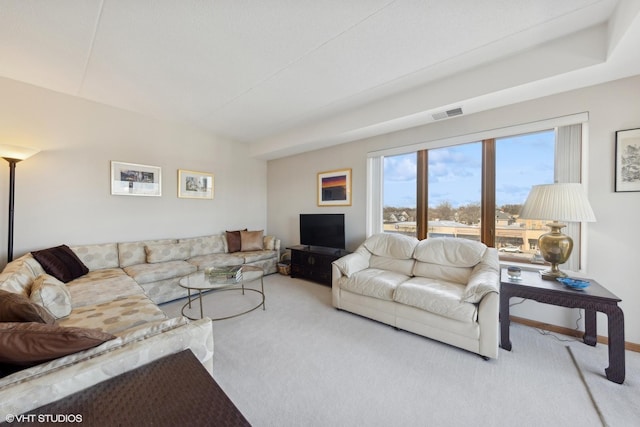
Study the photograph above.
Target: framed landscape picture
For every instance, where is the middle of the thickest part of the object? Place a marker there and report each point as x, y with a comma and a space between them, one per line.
195, 185
334, 188
131, 179
628, 160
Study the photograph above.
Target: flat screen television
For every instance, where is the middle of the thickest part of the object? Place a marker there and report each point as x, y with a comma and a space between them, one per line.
325, 230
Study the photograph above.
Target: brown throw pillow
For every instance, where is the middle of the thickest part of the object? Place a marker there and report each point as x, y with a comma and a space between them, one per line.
27, 344
18, 308
251, 240
61, 263
233, 240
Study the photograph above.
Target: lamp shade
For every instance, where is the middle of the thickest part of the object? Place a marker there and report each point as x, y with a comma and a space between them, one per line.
558, 202
16, 152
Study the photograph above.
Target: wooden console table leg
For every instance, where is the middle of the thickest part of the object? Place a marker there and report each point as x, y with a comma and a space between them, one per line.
590, 327
505, 342
616, 370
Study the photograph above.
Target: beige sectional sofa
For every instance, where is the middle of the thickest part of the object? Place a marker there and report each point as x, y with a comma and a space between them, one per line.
158, 265
442, 288
113, 307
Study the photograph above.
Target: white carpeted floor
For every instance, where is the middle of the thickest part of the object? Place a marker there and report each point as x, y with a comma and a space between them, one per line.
302, 362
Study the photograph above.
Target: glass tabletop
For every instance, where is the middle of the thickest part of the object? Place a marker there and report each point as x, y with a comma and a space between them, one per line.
221, 277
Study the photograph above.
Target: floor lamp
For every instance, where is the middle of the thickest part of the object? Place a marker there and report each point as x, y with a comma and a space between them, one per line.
13, 154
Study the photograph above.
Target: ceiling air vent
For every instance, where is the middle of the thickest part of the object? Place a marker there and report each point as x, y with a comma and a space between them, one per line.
446, 114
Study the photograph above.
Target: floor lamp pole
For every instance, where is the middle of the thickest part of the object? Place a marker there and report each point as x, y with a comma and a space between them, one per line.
12, 185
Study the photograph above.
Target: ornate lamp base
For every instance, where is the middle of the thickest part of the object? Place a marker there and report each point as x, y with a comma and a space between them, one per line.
555, 248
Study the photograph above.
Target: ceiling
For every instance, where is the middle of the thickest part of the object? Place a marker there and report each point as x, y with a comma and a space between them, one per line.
288, 76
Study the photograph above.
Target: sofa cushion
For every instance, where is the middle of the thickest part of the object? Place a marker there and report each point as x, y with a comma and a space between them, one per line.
254, 256
101, 286
147, 273
132, 253
163, 252
251, 240
115, 316
61, 262
402, 266
373, 282
436, 296
450, 251
448, 273
205, 245
28, 344
18, 308
389, 245
52, 294
99, 256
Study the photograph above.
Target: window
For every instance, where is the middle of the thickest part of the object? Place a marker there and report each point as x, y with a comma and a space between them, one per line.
399, 194
454, 188
446, 188
521, 162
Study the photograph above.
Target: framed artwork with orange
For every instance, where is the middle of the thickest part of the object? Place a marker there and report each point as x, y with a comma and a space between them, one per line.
334, 188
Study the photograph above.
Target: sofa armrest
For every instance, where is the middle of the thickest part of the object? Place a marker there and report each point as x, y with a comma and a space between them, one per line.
34, 387
345, 267
352, 263
488, 320
484, 278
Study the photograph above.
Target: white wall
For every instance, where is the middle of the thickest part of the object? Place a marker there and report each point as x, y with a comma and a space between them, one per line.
613, 241
63, 193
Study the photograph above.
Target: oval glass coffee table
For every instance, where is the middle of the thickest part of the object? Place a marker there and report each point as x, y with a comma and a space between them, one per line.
221, 279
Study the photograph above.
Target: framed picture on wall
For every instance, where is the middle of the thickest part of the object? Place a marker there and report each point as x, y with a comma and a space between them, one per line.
131, 179
628, 160
195, 185
334, 188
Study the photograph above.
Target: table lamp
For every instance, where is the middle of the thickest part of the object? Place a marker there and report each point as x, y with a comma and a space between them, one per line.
557, 202
13, 154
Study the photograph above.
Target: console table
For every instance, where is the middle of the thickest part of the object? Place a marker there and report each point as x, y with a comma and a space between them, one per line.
592, 299
314, 262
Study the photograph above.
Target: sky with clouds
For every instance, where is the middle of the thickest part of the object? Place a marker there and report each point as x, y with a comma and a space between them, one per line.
455, 172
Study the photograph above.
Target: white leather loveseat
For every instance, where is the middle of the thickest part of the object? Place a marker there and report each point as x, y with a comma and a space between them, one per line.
442, 288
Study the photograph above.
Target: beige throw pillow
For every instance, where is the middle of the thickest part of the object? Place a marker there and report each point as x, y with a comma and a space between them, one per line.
51, 294
269, 243
251, 240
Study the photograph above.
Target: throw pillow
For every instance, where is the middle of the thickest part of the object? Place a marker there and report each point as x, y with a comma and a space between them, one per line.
52, 294
27, 344
18, 308
233, 240
269, 243
251, 240
61, 262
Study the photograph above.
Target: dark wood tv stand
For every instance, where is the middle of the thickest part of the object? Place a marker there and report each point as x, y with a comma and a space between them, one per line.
314, 262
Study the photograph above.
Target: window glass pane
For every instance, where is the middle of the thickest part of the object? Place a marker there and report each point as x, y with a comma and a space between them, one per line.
399, 194
522, 161
455, 189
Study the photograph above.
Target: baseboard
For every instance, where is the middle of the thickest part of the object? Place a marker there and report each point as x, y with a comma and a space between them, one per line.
568, 331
